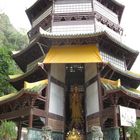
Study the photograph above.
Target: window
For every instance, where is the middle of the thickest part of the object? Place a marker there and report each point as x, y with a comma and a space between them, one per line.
72, 6
119, 63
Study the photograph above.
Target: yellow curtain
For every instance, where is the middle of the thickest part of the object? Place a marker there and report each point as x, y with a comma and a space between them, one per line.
73, 54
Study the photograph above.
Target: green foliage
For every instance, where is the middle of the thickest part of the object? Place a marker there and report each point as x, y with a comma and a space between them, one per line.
10, 39
8, 130
6, 68
135, 131
9, 36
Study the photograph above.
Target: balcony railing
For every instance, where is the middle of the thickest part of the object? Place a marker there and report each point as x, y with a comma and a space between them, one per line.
101, 9
42, 16
44, 24
34, 63
103, 27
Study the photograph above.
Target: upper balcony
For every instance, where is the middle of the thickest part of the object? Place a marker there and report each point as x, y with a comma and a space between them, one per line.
104, 11
37, 9
42, 16
72, 6
44, 24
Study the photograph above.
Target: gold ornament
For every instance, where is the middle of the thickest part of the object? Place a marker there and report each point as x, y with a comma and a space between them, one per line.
73, 135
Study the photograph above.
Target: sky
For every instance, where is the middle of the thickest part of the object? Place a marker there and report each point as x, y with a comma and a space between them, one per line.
15, 9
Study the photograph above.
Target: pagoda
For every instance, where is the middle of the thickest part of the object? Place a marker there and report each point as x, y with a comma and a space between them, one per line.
76, 72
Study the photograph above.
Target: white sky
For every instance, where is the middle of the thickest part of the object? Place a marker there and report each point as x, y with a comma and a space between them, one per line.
15, 9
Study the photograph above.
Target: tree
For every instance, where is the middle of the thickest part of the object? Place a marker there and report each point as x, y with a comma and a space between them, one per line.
10, 39
134, 131
8, 130
10, 36
6, 68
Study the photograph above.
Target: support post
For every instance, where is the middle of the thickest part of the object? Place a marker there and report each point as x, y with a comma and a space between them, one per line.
124, 133
31, 113
46, 106
115, 116
47, 96
31, 119
100, 95
19, 130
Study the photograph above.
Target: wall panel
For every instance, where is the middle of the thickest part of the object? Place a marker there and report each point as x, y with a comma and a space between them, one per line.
56, 104
58, 72
90, 71
92, 99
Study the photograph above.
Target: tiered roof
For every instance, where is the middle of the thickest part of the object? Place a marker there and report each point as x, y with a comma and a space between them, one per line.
48, 39
127, 77
31, 89
112, 87
36, 74
34, 51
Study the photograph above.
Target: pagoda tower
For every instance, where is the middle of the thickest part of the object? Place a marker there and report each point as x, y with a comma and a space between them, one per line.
76, 72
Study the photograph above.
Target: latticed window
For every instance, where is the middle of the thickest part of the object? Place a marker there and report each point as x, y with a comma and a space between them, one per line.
70, 6
119, 63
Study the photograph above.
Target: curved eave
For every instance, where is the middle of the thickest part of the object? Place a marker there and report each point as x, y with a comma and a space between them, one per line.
28, 11
32, 8
121, 8
123, 46
132, 52
20, 94
123, 92
84, 35
29, 54
99, 36
36, 74
126, 77
118, 3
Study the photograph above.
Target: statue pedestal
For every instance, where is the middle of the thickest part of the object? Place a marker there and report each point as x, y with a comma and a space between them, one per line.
96, 133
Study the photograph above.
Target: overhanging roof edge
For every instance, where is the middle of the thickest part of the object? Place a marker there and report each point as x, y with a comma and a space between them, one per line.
69, 36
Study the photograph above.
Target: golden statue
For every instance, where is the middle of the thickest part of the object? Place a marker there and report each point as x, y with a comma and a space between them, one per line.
76, 108
73, 135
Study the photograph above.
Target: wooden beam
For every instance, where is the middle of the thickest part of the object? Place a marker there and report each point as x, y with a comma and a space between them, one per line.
107, 73
15, 114
39, 112
91, 81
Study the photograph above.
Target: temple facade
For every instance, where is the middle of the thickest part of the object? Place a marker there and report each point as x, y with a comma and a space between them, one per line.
76, 72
